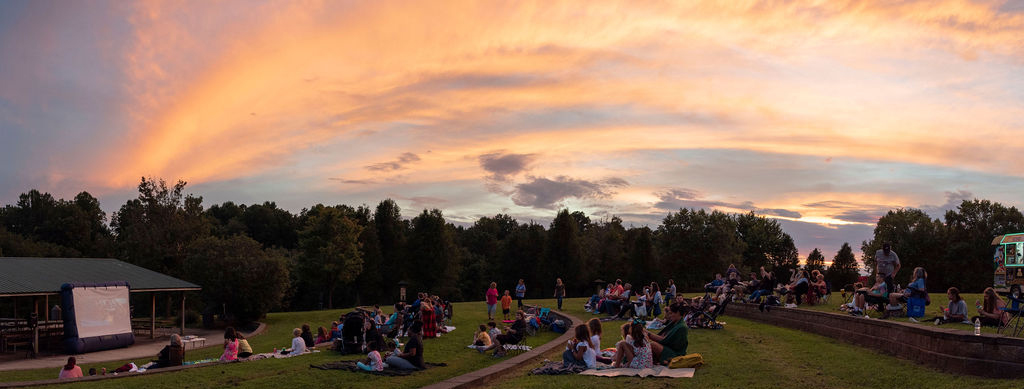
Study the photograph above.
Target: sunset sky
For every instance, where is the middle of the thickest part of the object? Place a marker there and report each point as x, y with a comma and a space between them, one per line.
822, 114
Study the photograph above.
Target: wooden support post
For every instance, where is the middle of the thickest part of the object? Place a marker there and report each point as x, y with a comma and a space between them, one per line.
152, 317
182, 313
46, 307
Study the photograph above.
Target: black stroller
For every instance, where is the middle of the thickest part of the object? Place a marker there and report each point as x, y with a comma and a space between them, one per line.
352, 334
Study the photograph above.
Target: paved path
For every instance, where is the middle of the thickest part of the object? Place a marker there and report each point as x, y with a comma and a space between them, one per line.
143, 347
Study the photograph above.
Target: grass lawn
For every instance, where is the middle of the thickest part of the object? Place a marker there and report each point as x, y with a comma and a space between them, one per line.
747, 354
295, 372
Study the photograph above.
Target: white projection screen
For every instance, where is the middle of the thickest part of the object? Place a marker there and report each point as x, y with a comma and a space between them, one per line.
102, 311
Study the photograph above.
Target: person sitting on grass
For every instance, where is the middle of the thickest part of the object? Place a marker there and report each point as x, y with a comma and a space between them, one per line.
634, 353
171, 355
672, 340
412, 358
373, 359
482, 338
230, 345
512, 335
852, 306
307, 335
322, 336
244, 349
991, 313
877, 295
595, 338
298, 344
580, 350
957, 310
800, 287
493, 331
70, 370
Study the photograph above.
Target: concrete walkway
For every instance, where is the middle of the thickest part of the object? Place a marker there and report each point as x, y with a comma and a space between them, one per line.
143, 348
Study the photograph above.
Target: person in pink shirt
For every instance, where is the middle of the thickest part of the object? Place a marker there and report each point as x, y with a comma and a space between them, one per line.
71, 370
492, 301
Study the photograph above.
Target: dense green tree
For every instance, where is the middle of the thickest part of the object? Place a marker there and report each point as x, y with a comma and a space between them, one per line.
694, 245
564, 253
843, 270
392, 233
154, 229
79, 225
605, 249
435, 265
640, 257
329, 241
765, 243
815, 261
239, 275
967, 258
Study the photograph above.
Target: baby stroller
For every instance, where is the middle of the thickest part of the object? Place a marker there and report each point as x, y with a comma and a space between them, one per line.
706, 315
352, 334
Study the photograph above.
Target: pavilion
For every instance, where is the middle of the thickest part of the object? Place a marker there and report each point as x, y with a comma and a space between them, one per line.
39, 279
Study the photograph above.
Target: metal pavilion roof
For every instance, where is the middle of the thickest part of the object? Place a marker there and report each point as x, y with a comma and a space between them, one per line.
21, 276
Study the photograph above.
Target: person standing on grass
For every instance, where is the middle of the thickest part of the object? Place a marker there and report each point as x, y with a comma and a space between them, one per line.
506, 304
520, 292
559, 292
492, 300
670, 290
887, 264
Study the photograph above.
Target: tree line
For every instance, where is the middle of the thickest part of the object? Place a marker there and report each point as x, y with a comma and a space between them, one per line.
251, 259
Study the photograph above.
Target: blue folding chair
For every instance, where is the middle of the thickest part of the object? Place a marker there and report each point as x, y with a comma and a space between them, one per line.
1015, 325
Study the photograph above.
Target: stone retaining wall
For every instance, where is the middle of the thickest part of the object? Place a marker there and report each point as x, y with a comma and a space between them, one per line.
946, 349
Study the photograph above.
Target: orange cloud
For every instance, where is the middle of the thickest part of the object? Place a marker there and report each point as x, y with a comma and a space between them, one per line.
231, 94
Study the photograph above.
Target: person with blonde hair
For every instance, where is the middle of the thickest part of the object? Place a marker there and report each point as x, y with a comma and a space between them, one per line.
298, 344
172, 354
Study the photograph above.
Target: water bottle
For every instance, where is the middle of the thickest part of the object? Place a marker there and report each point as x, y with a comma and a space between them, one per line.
977, 326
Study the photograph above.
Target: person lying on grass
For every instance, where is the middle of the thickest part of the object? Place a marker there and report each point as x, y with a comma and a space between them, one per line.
635, 352
580, 351
672, 340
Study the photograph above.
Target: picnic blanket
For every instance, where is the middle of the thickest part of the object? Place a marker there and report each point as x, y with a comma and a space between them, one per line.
657, 371
388, 371
556, 368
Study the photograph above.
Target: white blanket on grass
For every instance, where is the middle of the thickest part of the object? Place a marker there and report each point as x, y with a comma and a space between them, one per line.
657, 371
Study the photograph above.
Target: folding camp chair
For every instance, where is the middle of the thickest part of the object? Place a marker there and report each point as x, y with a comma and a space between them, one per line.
1015, 325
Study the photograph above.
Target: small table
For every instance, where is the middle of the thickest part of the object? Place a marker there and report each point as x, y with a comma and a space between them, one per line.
193, 341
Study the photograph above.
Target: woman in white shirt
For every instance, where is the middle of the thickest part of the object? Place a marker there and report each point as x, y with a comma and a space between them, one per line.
298, 344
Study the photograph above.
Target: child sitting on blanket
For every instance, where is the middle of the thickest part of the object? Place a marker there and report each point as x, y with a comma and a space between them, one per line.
580, 351
482, 338
374, 361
